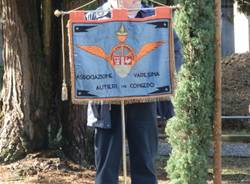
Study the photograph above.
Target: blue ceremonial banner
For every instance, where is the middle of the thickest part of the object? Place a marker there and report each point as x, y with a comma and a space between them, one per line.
124, 59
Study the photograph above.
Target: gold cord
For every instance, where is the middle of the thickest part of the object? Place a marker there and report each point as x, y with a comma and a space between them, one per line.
158, 3
80, 7
64, 94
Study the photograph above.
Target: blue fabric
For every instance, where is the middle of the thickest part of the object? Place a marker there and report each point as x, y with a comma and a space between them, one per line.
102, 112
118, 76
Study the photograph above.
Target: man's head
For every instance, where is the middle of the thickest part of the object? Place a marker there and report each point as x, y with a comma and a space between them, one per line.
129, 4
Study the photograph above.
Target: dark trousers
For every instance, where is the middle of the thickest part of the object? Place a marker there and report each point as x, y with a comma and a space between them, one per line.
165, 110
142, 135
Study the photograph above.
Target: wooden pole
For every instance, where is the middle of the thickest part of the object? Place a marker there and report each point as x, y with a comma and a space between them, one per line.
124, 158
217, 108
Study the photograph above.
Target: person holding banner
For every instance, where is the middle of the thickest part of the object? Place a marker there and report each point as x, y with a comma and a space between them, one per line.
141, 122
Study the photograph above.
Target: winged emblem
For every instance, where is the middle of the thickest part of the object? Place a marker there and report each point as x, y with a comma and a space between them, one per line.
122, 57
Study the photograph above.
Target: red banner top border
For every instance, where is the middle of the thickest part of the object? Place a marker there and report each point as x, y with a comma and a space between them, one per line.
122, 15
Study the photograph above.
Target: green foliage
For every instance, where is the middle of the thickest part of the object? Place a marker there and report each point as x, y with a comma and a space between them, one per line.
189, 131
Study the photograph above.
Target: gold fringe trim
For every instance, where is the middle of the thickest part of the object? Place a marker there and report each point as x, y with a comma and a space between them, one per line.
128, 100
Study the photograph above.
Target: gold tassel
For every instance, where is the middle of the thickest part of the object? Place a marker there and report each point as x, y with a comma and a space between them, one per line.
64, 91
64, 85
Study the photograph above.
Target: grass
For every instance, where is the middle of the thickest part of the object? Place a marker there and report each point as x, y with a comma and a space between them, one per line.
53, 170
235, 170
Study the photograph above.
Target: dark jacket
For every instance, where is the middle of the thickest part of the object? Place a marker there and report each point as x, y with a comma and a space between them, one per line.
99, 115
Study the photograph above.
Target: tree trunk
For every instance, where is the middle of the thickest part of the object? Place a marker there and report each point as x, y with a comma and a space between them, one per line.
31, 88
77, 138
24, 95
51, 47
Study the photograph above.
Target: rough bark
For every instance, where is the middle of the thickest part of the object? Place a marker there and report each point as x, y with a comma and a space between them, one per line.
77, 138
24, 95
51, 48
47, 28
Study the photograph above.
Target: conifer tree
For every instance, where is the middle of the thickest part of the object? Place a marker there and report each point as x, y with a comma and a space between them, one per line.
189, 131
244, 6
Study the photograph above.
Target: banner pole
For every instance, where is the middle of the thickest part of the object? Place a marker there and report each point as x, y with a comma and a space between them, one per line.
217, 108
124, 158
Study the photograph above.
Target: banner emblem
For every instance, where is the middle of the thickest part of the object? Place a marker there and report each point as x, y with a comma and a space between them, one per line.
122, 57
